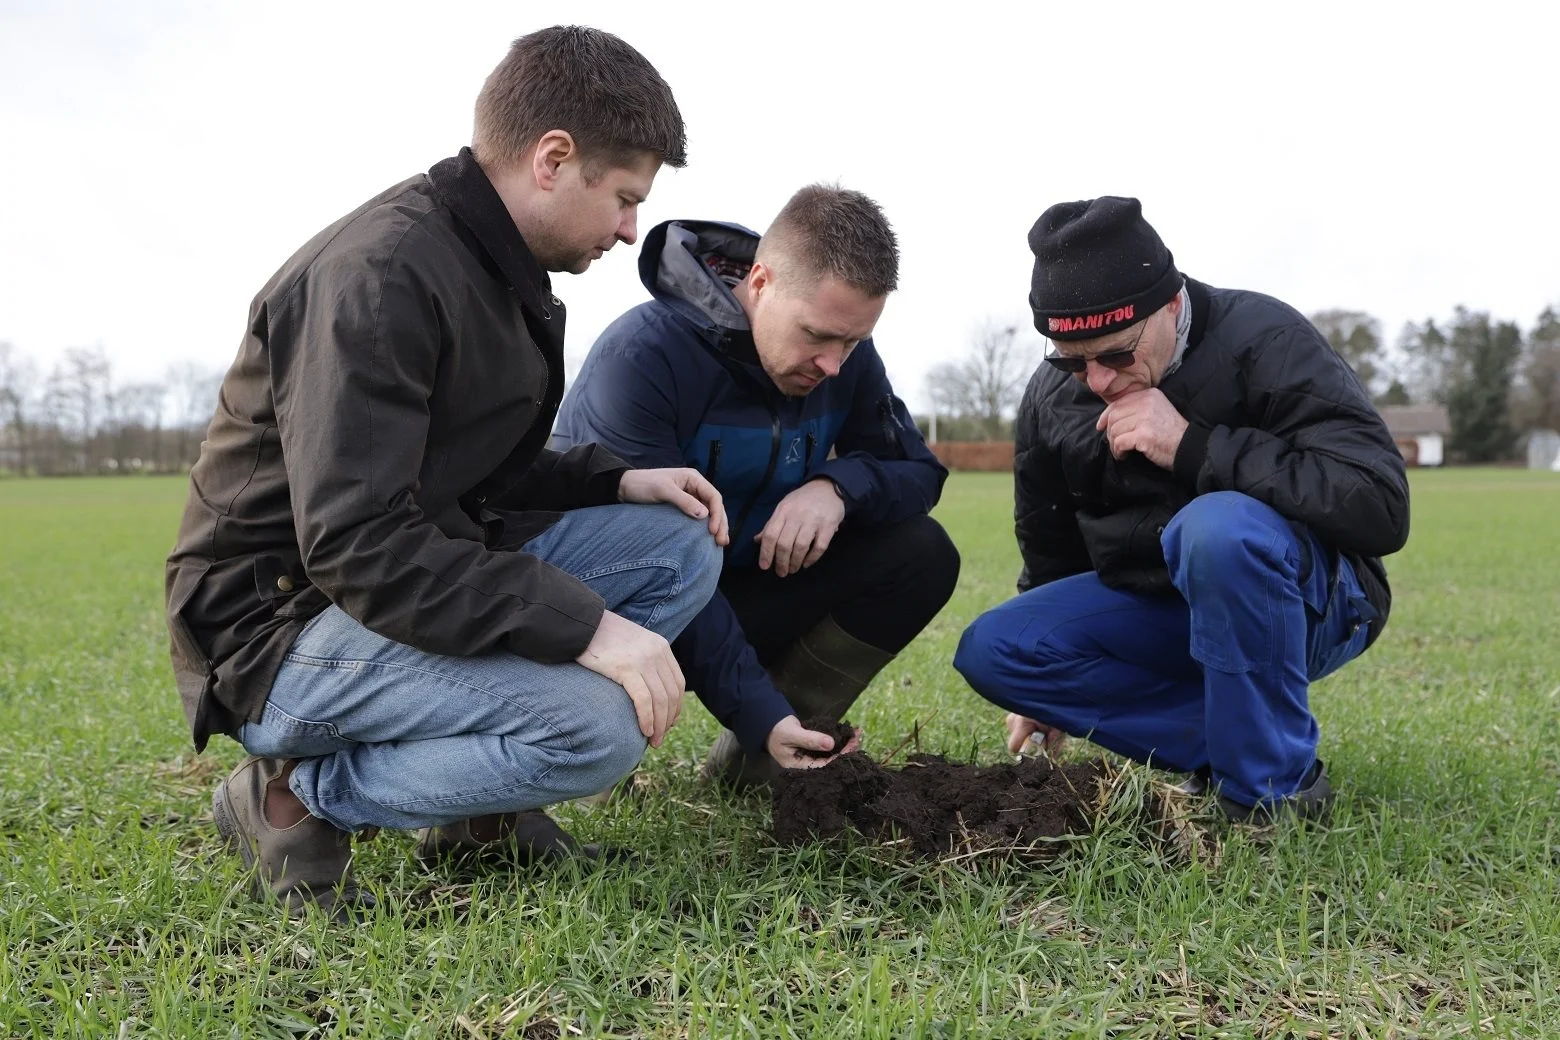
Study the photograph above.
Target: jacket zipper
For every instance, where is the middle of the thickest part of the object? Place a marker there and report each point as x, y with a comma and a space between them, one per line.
712, 467
769, 474
812, 442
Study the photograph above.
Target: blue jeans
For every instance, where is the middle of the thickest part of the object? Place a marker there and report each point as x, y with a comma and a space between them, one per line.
1214, 679
390, 736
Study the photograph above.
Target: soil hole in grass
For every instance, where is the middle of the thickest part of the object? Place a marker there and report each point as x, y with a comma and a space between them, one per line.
939, 807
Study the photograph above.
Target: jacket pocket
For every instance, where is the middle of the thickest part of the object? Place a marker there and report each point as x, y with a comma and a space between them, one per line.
281, 584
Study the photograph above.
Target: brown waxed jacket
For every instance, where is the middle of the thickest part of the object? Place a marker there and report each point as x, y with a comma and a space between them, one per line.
379, 444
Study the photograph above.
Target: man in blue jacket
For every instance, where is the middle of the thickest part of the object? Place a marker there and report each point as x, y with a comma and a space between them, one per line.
754, 363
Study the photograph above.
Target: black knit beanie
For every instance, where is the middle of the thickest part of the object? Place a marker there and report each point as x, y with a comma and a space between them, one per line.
1099, 267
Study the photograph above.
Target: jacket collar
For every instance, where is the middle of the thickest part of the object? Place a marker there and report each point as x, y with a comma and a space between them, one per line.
1200, 305
459, 183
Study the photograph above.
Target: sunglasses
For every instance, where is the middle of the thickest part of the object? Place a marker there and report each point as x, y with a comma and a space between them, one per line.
1112, 359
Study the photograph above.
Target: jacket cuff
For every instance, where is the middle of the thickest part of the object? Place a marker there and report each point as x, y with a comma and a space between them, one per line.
757, 715
848, 478
603, 487
1190, 455
566, 630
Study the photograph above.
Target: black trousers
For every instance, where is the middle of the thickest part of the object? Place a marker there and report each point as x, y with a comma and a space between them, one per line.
882, 587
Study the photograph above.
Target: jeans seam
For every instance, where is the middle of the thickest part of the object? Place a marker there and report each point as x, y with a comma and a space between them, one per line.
674, 566
301, 723
456, 801
313, 661
628, 565
453, 680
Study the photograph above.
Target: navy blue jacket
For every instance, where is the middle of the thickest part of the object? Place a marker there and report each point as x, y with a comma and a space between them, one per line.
674, 382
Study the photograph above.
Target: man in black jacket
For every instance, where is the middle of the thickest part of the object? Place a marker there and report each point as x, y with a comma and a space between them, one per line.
1203, 492
408, 610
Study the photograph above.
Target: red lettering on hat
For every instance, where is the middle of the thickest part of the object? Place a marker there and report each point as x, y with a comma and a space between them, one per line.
1092, 321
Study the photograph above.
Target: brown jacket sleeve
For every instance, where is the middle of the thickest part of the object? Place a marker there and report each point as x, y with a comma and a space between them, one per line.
355, 349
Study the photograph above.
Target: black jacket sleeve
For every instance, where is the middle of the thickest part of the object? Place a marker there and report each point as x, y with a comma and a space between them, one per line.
354, 355
884, 470
1319, 452
1048, 537
585, 475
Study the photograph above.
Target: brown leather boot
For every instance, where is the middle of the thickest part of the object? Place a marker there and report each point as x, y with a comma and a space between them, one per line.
821, 674
309, 862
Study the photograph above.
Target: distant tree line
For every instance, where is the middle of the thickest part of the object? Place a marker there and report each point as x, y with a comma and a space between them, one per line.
1496, 382
77, 418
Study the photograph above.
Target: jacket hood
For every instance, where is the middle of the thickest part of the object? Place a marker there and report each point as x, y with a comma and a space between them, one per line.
675, 266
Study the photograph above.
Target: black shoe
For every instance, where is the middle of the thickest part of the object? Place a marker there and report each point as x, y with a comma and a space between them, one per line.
1312, 802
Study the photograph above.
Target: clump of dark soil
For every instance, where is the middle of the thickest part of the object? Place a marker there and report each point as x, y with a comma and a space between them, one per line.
841, 731
939, 807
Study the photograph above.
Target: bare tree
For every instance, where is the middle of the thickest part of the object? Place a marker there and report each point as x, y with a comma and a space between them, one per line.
1357, 337
192, 398
1538, 405
138, 431
18, 382
986, 384
80, 395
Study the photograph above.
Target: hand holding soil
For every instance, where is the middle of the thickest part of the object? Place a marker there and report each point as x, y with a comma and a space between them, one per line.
807, 745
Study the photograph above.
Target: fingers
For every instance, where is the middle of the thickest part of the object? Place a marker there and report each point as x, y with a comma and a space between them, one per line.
697, 485
644, 704
820, 543
766, 542
720, 523
673, 684
795, 543
1019, 729
785, 543
854, 743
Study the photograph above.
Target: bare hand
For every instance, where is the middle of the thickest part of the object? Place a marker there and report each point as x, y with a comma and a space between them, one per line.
789, 741
642, 663
684, 488
1144, 421
1022, 731
801, 527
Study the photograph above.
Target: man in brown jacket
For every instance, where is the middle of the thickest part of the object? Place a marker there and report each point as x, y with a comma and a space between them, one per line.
409, 611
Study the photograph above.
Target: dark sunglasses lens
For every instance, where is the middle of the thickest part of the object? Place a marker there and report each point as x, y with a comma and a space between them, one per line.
1116, 359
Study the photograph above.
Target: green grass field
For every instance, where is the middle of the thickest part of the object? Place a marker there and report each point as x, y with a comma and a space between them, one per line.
1430, 905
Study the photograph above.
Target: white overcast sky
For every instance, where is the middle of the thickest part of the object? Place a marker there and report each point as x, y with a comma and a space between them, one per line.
158, 160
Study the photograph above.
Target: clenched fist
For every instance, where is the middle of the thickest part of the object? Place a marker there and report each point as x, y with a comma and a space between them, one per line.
1144, 421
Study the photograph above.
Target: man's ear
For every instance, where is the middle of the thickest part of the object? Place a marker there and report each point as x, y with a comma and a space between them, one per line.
761, 278
553, 150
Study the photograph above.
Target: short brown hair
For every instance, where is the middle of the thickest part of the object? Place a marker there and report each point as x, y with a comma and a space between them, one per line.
603, 92
829, 230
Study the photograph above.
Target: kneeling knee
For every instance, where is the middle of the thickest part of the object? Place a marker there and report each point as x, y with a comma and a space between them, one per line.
698, 556
983, 655
925, 558
1214, 533
611, 748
